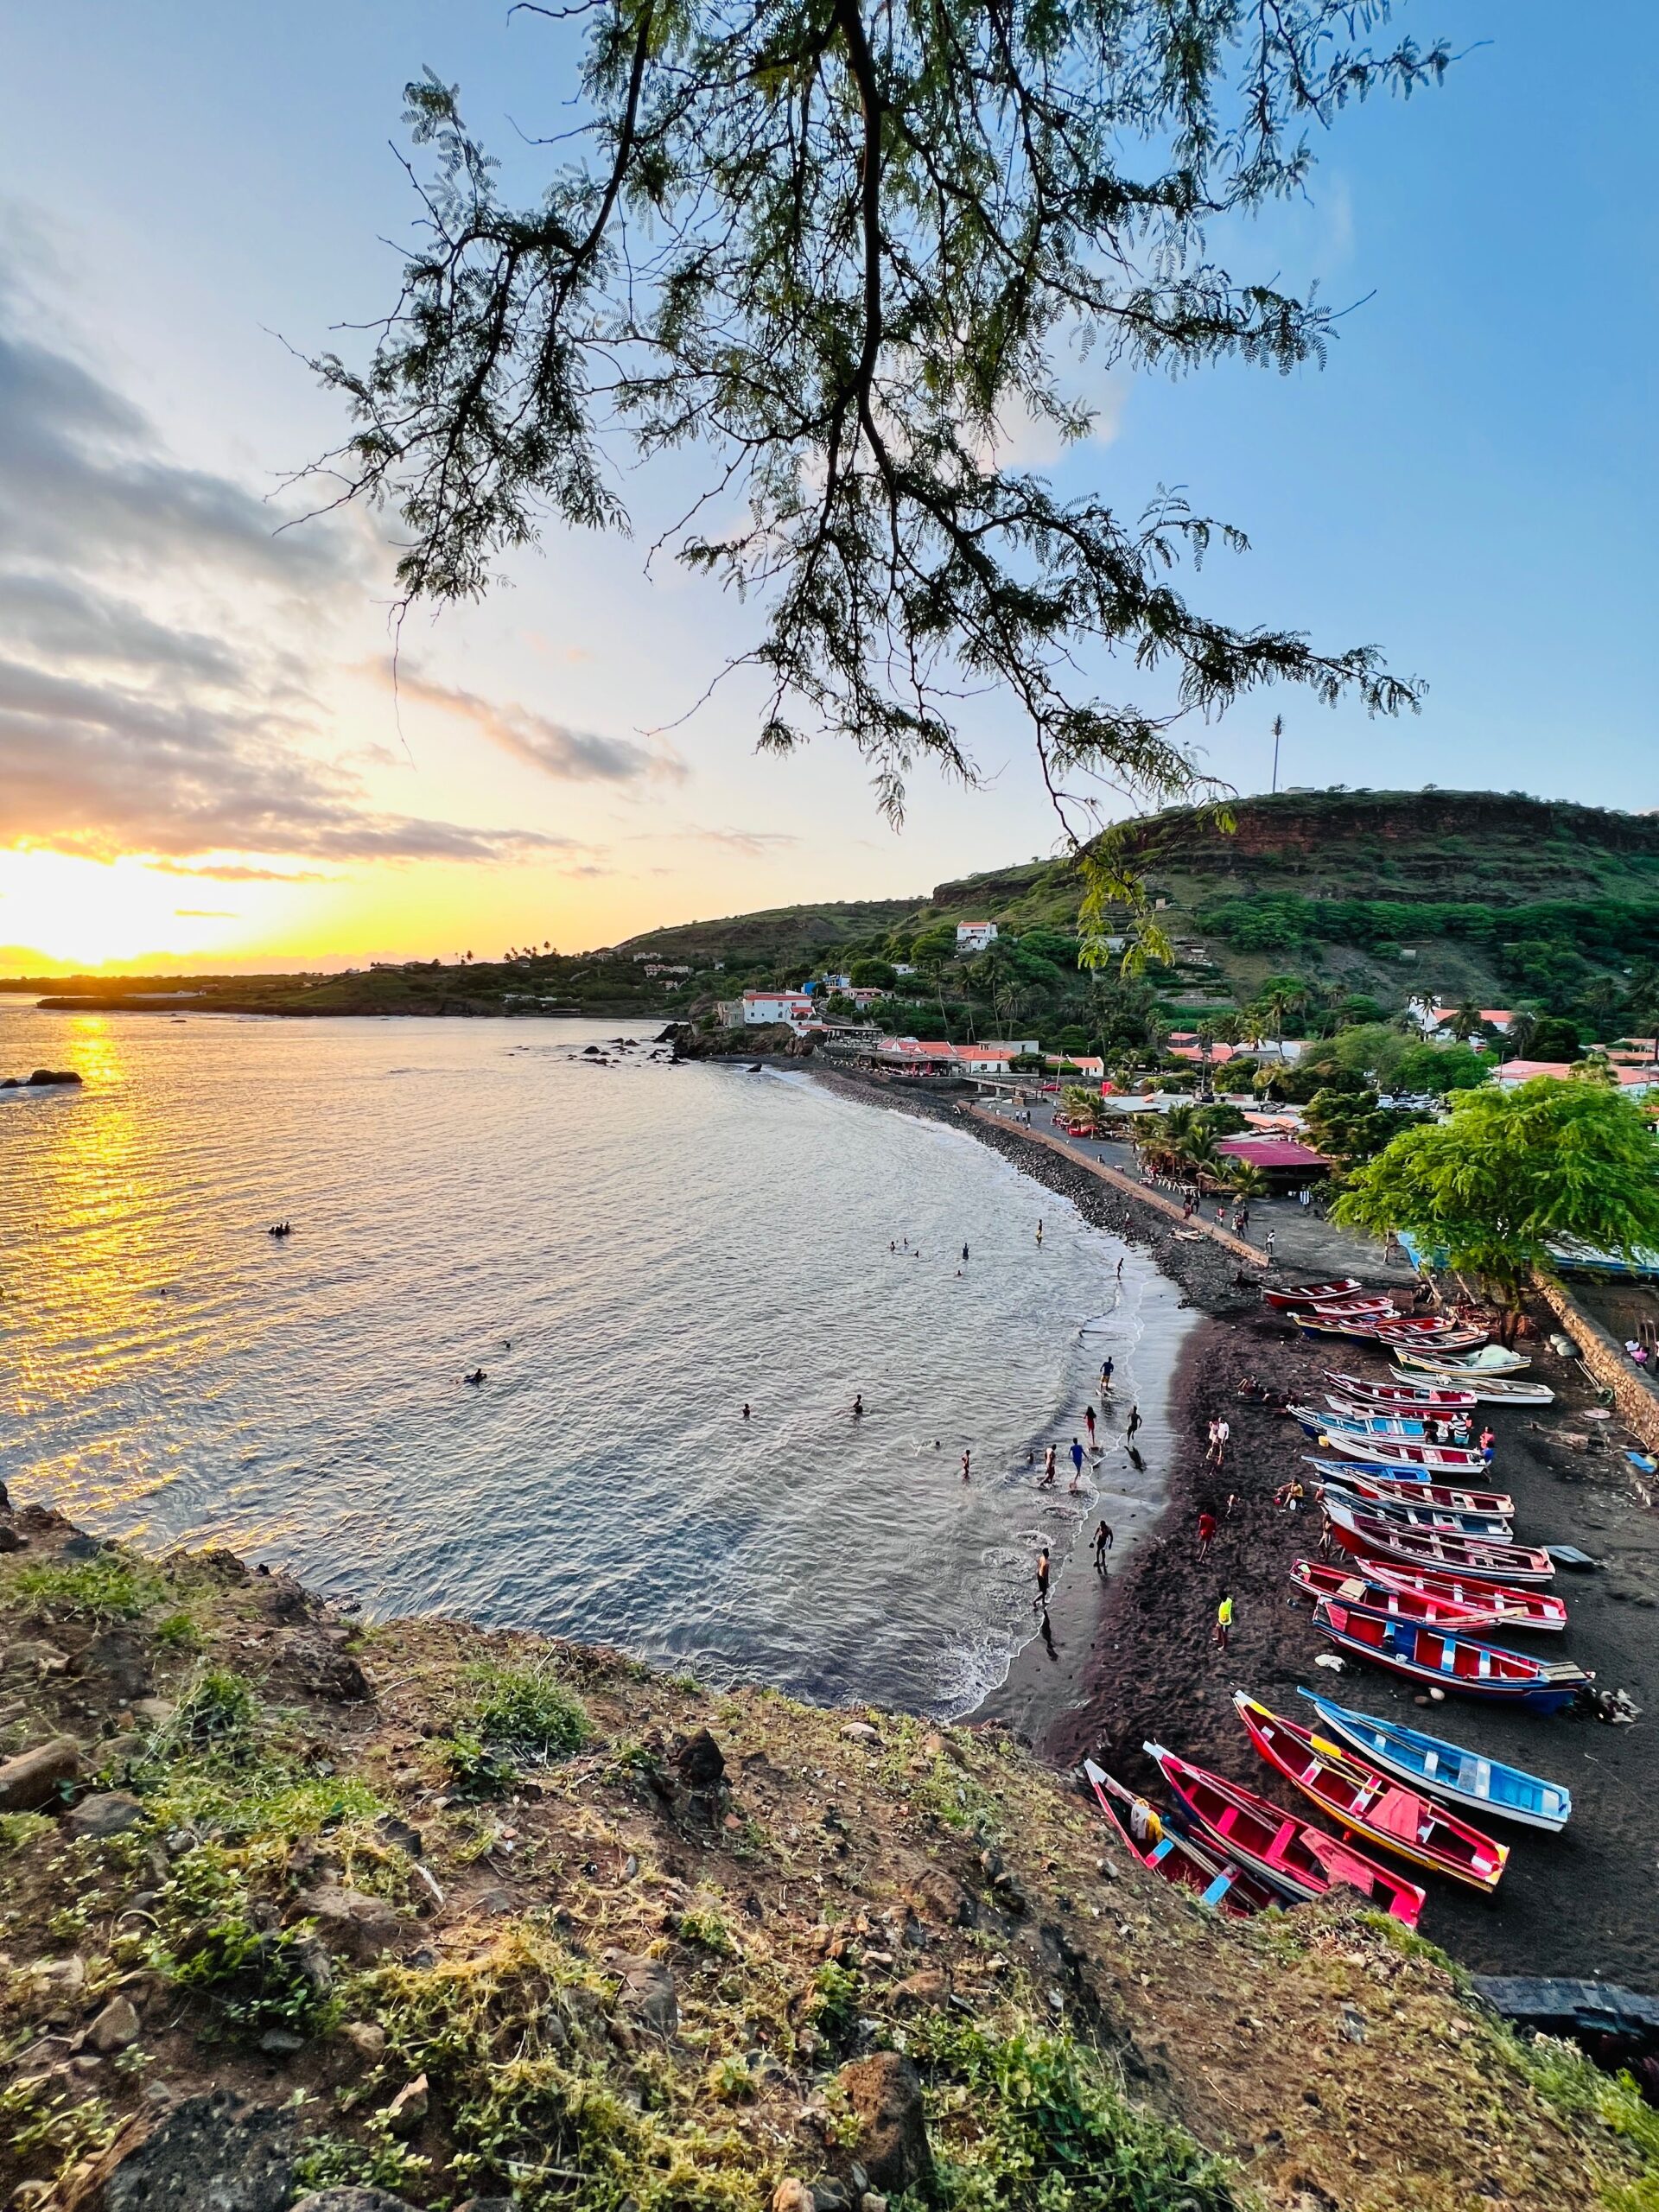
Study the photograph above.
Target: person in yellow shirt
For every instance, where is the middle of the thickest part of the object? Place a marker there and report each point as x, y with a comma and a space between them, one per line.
1224, 1620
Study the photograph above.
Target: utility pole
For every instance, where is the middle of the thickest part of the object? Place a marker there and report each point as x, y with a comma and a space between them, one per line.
1278, 732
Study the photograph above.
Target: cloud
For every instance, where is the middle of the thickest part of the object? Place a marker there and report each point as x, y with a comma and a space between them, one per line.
751, 842
203, 914
569, 755
157, 626
232, 872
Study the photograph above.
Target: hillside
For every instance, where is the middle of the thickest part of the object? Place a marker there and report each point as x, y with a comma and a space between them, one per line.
1483, 895
293, 1905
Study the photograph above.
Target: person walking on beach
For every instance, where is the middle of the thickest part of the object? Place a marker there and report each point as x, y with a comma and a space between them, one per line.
1132, 1427
1042, 1579
1487, 1440
1206, 1531
1224, 1620
1219, 1435
1089, 1423
1267, 1246
1047, 1483
1076, 1463
1103, 1542
1106, 1369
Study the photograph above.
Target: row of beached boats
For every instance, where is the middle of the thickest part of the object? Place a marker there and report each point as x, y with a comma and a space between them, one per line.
1428, 1556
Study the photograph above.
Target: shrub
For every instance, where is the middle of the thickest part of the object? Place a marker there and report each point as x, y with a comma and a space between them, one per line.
529, 1713
207, 1942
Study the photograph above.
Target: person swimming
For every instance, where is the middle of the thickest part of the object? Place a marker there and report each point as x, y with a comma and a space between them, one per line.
477, 1376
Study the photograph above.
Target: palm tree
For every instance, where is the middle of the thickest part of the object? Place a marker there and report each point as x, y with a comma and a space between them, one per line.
1524, 1027
1245, 1180
1280, 995
1468, 1020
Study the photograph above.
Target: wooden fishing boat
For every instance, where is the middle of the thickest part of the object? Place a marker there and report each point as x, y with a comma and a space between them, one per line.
1403, 1397
1354, 1586
1447, 1769
1511, 1609
1363, 1801
1361, 1421
1504, 1391
1391, 1489
1408, 1480
1313, 1294
1384, 1308
1418, 1513
1386, 1333
1404, 1421
1493, 1359
1180, 1859
1357, 1531
1298, 1858
1416, 1329
1405, 1451
1432, 1656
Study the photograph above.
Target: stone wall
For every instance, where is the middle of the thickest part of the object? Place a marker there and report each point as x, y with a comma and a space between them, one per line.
1635, 1396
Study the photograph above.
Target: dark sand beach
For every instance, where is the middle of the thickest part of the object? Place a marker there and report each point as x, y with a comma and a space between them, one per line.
1134, 1656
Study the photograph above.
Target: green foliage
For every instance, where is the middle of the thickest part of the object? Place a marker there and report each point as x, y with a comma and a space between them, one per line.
476, 1773
703, 1924
837, 1991
19, 1830
1511, 1170
858, 221
111, 1587
528, 1714
207, 1942
178, 1633
1026, 2119
1350, 1126
41, 2124
873, 976
217, 1712
337, 2162
1554, 1038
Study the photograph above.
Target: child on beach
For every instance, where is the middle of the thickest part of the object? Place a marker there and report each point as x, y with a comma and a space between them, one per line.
1224, 1620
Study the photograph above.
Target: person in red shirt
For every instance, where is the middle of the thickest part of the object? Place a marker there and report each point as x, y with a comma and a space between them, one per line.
1206, 1530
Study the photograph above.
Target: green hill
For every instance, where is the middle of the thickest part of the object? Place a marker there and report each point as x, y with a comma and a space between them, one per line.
1479, 895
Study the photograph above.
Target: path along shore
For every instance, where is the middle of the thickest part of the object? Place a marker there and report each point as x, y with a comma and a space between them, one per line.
1582, 1903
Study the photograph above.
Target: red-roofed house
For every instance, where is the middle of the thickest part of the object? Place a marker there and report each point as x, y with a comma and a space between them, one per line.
1287, 1164
1634, 1082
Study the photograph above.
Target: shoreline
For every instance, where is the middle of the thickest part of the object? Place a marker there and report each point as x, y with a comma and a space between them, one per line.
1579, 1905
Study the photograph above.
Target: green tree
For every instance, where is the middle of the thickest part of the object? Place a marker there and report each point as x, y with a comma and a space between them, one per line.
1556, 1039
1080, 1103
1467, 1022
836, 252
1438, 1068
1245, 1180
1519, 1036
1280, 997
1350, 1126
1509, 1171
873, 975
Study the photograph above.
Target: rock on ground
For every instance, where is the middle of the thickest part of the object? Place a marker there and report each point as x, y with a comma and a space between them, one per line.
215, 2153
34, 1778
884, 2093
347, 1921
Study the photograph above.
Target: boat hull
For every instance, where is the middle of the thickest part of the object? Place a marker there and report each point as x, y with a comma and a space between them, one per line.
1482, 1528
1311, 1294
1513, 1609
1435, 1553
1402, 1395
1401, 1452
1188, 1865
1447, 1772
1364, 1801
1501, 1390
1438, 1659
1356, 1586
1247, 1827
1413, 1490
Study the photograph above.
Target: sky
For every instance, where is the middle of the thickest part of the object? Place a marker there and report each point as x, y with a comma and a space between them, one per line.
204, 759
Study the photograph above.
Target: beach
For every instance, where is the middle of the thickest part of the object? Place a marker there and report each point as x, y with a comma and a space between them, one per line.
1137, 1655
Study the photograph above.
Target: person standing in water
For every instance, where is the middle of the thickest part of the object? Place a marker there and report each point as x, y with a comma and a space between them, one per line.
1131, 1427
967, 1465
1107, 1366
1040, 1230
858, 1406
1104, 1541
1042, 1579
1076, 1463
1089, 1423
965, 1251
746, 1409
1047, 1483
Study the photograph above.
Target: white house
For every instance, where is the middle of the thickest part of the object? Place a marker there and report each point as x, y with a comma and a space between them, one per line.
757, 1009
974, 936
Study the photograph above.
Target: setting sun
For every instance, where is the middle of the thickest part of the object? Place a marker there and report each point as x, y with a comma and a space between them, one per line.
97, 911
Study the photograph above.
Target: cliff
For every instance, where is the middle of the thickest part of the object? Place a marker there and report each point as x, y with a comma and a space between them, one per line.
293, 1904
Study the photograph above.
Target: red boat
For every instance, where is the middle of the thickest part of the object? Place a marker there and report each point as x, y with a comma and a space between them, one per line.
1298, 1858
1365, 1330
1213, 1880
1379, 1489
1361, 1800
1315, 1294
1511, 1609
1383, 1309
1432, 1656
1362, 1585
1440, 1554
1403, 1397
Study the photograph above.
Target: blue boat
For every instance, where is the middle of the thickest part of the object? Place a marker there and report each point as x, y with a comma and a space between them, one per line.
1447, 1769
1410, 1513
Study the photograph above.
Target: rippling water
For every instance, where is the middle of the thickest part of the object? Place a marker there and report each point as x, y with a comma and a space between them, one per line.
658, 1244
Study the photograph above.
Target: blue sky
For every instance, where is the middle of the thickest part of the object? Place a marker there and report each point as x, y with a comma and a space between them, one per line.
1468, 485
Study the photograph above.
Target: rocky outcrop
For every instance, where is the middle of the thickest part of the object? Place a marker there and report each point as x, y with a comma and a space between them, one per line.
42, 1079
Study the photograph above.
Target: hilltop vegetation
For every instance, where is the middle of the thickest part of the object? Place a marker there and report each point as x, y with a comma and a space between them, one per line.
459, 1913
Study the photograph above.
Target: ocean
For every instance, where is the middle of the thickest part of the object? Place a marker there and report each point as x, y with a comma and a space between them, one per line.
630, 1251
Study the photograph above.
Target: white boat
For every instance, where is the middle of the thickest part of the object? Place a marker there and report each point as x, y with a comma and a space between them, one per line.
1491, 1359
1494, 1389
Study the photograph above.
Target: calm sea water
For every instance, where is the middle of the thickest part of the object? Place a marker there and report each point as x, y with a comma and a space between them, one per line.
629, 1252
